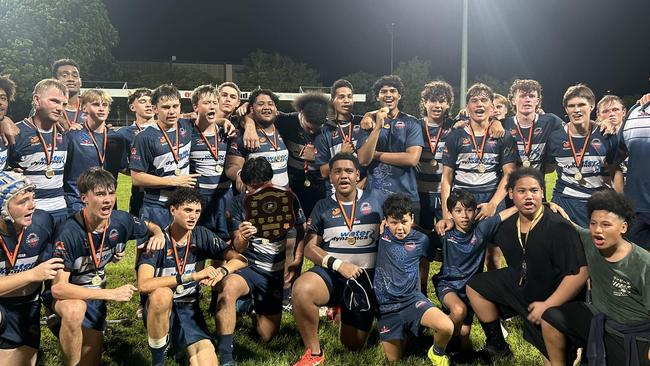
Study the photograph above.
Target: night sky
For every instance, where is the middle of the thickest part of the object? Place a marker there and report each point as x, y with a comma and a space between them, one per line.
603, 43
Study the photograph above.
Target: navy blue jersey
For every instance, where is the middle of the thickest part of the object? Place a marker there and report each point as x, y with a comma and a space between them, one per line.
327, 221
29, 155
429, 177
543, 126
600, 152
295, 137
278, 158
72, 245
397, 135
211, 184
35, 248
265, 257
74, 116
460, 155
397, 273
82, 155
634, 141
152, 155
128, 133
204, 244
3, 155
330, 141
463, 253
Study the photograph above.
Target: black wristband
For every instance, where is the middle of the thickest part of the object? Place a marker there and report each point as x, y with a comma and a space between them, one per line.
178, 279
330, 262
227, 272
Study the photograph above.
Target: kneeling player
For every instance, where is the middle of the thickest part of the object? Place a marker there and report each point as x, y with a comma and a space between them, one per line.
171, 278
402, 307
87, 242
23, 269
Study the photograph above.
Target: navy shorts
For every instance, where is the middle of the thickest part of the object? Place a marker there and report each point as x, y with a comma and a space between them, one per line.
639, 233
576, 208
443, 288
213, 215
158, 215
95, 317
399, 323
20, 325
265, 290
486, 197
430, 209
335, 283
186, 326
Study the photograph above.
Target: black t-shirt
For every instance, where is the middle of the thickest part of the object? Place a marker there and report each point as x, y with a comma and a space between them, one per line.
553, 250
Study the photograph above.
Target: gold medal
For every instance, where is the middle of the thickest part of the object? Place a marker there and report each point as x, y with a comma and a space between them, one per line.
526, 163
96, 280
578, 176
177, 171
218, 169
307, 183
180, 289
352, 240
434, 163
49, 172
265, 241
481, 168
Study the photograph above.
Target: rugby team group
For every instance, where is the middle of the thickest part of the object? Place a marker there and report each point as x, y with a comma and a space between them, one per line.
372, 200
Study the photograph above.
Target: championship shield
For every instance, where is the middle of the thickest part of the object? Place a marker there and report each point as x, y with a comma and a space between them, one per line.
270, 209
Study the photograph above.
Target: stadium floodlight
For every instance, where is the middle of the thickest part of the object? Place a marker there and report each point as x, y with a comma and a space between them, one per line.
463, 57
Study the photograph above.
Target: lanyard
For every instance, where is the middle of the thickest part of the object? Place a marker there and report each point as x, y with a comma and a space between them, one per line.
173, 148
100, 155
349, 220
214, 150
74, 119
48, 154
180, 266
12, 258
527, 143
433, 146
578, 158
479, 152
274, 142
91, 242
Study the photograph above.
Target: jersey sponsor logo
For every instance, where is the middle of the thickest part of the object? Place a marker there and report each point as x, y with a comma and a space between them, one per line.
32, 240
384, 330
400, 124
335, 134
596, 143
621, 287
234, 146
357, 234
183, 132
565, 145
162, 140
366, 208
113, 235
385, 238
409, 246
465, 141
34, 140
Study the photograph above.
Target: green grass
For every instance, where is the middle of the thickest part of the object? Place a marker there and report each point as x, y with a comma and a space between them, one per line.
126, 342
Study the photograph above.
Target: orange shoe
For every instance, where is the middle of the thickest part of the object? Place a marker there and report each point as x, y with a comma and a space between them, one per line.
308, 359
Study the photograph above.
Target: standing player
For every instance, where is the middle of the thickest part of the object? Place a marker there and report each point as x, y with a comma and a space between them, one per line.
140, 104
263, 279
393, 148
500, 107
67, 72
94, 145
87, 242
171, 278
26, 238
580, 154
342, 244
229, 95
610, 112
7, 95
402, 308
41, 148
529, 129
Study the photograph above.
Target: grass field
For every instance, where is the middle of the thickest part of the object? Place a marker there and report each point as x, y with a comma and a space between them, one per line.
126, 341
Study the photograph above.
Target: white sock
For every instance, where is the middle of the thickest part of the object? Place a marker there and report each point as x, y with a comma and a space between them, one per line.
158, 343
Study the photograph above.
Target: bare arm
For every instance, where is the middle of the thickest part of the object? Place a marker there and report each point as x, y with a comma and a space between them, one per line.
233, 167
142, 179
313, 251
445, 188
43, 272
618, 180
505, 214
325, 171
62, 289
368, 150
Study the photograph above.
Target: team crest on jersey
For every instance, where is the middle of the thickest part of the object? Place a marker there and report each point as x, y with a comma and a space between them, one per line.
262, 140
409, 246
34, 140
309, 221
59, 246
233, 146
384, 330
400, 124
85, 142
162, 140
335, 134
336, 212
356, 128
465, 141
513, 132
565, 145
474, 240
537, 131
366, 208
183, 132
596, 143
32, 240
113, 235
385, 238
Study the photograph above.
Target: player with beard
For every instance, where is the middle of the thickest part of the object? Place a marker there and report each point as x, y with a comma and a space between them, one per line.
546, 267
581, 155
87, 242
341, 242
67, 72
26, 238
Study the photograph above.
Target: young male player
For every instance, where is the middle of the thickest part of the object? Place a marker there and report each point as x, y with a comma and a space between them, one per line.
41, 148
263, 279
7, 95
94, 145
67, 72
26, 239
342, 243
580, 154
87, 242
171, 279
620, 292
403, 309
500, 107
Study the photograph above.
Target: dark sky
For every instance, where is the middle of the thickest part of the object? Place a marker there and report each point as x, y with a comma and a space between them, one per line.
604, 43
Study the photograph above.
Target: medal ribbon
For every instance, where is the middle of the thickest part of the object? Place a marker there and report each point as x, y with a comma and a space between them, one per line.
100, 155
180, 266
578, 158
214, 150
480, 152
273, 143
345, 138
435, 145
137, 125
74, 119
349, 221
12, 258
305, 165
48, 155
173, 148
91, 242
528, 144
